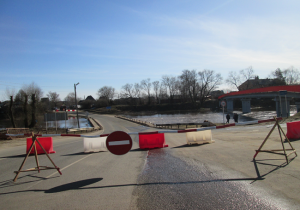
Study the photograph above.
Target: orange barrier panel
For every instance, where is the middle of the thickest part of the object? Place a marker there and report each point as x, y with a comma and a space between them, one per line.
148, 141
293, 130
46, 142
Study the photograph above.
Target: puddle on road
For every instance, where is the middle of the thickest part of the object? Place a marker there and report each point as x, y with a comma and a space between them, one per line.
168, 182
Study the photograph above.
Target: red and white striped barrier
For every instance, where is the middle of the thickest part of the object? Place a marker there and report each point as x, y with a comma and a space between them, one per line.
68, 110
156, 132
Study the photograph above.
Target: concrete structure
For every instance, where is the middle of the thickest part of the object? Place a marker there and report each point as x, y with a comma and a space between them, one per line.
298, 106
282, 96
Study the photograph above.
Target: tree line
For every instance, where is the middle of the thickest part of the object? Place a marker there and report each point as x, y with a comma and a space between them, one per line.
190, 86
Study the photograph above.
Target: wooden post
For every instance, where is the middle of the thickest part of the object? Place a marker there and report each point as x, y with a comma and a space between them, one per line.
277, 151
38, 168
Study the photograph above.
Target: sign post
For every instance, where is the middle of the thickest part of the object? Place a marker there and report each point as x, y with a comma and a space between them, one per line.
283, 93
119, 143
223, 104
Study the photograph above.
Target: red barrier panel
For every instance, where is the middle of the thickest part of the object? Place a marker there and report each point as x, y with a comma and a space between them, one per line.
289, 88
148, 141
269, 120
293, 130
46, 142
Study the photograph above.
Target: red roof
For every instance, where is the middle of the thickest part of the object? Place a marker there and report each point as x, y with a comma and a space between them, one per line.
289, 88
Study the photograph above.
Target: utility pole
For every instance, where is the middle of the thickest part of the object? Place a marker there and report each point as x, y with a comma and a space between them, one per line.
76, 103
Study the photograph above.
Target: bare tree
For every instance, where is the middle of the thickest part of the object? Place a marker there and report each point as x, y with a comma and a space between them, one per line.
189, 83
291, 75
106, 93
163, 92
208, 82
9, 92
33, 89
234, 79
70, 99
137, 92
53, 97
247, 73
127, 91
278, 78
33, 111
146, 85
35, 93
156, 87
25, 108
170, 82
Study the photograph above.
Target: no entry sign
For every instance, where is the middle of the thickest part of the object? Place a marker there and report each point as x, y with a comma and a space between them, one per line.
223, 103
119, 143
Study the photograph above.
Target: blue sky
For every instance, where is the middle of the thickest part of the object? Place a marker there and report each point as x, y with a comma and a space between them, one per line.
96, 43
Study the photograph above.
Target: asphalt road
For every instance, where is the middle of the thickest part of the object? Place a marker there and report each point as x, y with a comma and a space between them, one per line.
221, 175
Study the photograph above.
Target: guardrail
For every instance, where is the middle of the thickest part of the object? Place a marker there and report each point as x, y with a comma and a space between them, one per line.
80, 129
178, 124
167, 125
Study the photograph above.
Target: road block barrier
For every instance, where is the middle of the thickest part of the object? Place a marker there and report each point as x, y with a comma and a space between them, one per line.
149, 141
293, 130
46, 142
200, 137
94, 144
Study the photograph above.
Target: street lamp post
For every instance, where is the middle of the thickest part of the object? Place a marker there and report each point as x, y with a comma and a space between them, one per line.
76, 103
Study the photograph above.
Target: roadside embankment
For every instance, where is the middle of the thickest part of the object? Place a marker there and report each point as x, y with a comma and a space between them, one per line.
18, 132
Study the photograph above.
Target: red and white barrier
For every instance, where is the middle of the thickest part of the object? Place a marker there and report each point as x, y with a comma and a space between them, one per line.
94, 144
293, 130
147, 141
68, 110
46, 142
200, 137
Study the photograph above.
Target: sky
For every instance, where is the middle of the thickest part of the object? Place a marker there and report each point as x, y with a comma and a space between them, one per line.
58, 43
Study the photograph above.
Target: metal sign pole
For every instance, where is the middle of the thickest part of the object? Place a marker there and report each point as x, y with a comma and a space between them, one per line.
280, 105
223, 104
46, 123
66, 119
287, 115
55, 122
223, 116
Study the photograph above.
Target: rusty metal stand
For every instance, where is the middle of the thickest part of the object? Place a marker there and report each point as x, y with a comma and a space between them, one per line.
38, 168
277, 151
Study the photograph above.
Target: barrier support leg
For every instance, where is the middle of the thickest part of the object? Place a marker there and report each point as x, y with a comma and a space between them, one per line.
276, 151
38, 168
36, 158
18, 172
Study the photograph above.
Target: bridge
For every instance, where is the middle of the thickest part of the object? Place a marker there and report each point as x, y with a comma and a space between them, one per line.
282, 96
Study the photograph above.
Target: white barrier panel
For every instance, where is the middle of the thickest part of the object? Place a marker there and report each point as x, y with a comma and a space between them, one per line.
94, 144
199, 137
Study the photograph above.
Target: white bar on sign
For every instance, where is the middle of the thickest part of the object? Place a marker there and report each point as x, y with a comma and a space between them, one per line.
114, 143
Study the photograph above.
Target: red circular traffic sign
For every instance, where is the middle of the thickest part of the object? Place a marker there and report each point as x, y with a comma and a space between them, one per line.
118, 143
223, 103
